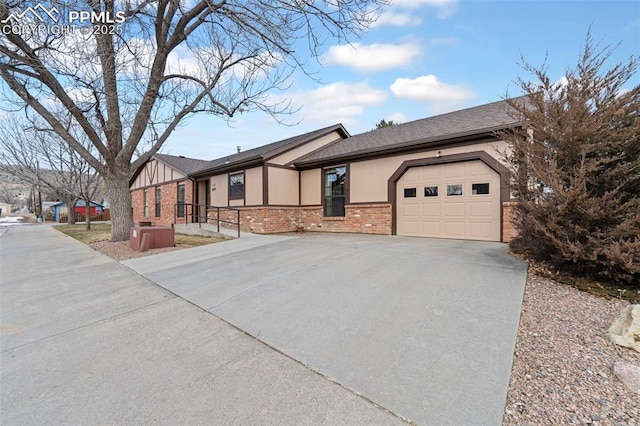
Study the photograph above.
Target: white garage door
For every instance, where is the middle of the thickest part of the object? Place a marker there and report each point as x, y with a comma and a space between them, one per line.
458, 200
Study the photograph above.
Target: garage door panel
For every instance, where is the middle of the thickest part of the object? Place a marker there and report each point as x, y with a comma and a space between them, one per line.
480, 230
412, 175
454, 228
468, 216
431, 173
410, 210
454, 209
411, 227
481, 208
431, 228
478, 168
430, 211
454, 170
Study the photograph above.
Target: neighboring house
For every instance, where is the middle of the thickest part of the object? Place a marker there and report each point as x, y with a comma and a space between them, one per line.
61, 208
441, 176
5, 208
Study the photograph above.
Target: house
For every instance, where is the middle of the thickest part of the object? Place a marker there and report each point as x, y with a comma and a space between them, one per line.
61, 208
441, 176
5, 209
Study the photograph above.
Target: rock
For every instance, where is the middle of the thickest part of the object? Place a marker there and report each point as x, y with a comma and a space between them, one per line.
628, 374
625, 330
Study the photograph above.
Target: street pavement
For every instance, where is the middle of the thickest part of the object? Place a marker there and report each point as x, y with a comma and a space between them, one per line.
86, 340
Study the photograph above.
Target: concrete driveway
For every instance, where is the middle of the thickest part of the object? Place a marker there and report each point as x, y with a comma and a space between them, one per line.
86, 341
424, 328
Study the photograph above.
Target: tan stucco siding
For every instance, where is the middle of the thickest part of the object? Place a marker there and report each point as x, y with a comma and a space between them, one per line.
308, 147
253, 186
368, 179
156, 173
283, 187
219, 190
310, 194
236, 203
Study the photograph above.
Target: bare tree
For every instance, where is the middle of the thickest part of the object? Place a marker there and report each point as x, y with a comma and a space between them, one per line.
44, 160
577, 167
128, 85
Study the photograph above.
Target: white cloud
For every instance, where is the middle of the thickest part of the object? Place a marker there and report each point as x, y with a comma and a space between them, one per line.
373, 57
427, 88
337, 102
445, 8
397, 117
397, 19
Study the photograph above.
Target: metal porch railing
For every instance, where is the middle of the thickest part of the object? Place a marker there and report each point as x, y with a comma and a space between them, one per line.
201, 213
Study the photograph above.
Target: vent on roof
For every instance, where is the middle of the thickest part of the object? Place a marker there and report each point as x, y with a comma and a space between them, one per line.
181, 156
238, 149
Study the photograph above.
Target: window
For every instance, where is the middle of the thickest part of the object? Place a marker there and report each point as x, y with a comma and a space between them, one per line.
479, 188
430, 191
236, 186
181, 200
409, 193
335, 180
158, 201
146, 203
454, 190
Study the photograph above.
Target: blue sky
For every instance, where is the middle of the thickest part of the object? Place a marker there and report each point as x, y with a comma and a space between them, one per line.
423, 58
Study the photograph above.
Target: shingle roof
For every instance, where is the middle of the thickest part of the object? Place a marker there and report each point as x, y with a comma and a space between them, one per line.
268, 151
180, 163
482, 119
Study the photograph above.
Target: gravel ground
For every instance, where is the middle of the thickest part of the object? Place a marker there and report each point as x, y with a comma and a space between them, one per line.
563, 364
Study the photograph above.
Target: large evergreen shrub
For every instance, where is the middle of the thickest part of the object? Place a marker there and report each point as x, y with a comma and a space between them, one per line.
576, 168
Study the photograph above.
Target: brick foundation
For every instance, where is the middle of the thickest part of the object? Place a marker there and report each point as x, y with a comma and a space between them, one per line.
509, 232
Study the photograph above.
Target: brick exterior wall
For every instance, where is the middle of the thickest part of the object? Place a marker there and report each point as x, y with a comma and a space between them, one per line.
358, 218
366, 219
261, 220
168, 199
509, 232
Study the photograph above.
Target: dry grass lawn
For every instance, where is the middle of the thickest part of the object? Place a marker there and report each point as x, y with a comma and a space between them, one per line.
98, 239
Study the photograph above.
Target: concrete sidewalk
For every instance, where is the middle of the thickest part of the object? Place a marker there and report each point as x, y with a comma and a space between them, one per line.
85, 340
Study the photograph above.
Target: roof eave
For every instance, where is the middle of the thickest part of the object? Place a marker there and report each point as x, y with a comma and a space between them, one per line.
407, 146
251, 161
337, 127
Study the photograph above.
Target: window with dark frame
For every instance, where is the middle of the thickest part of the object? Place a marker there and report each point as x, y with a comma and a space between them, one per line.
479, 188
181, 200
158, 201
430, 191
335, 192
453, 190
236, 186
410, 192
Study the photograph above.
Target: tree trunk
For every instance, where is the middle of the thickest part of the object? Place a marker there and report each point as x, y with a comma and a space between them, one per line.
87, 214
71, 210
117, 188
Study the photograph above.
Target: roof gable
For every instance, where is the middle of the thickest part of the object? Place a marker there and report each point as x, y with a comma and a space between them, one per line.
266, 152
483, 119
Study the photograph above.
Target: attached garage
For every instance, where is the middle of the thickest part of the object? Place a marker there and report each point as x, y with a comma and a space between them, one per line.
457, 200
